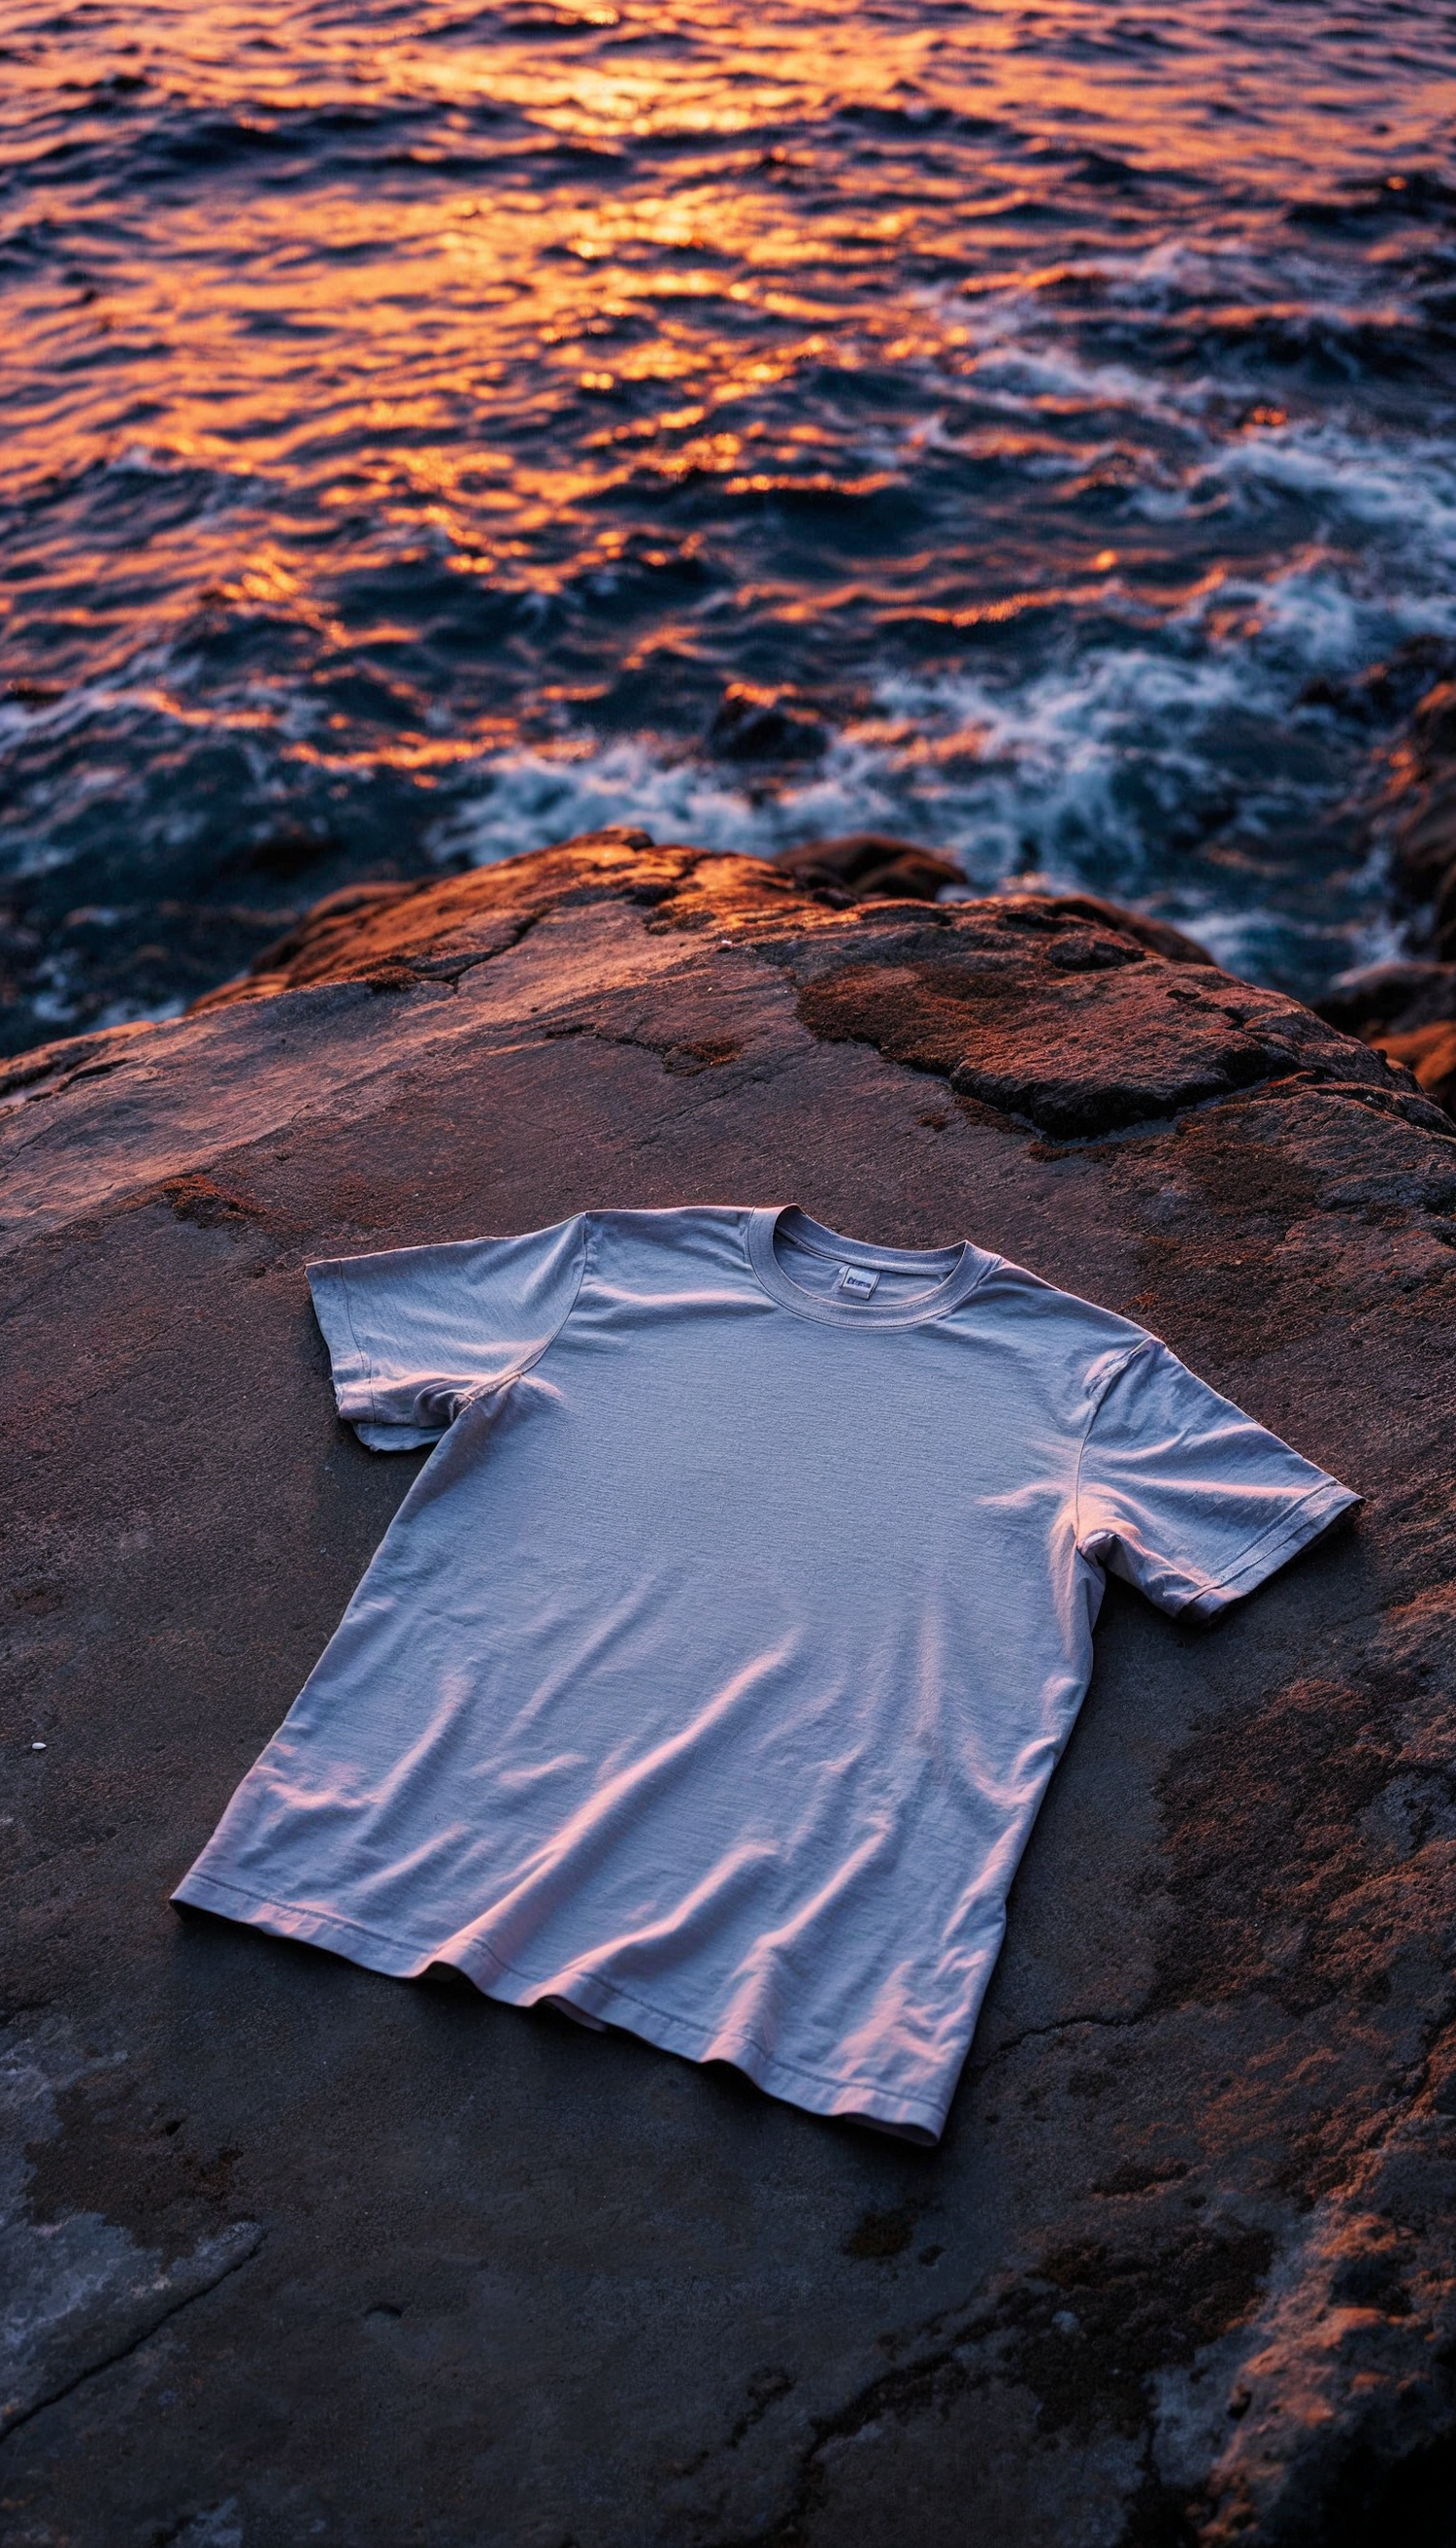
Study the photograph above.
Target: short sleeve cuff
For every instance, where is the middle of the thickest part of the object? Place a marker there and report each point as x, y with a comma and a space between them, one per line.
399, 1438
1274, 1547
352, 1379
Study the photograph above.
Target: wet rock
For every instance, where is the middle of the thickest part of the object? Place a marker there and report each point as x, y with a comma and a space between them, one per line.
1387, 690
1158, 935
1428, 1053
1420, 806
752, 723
870, 865
1378, 998
873, 866
287, 852
292, 2251
1408, 1009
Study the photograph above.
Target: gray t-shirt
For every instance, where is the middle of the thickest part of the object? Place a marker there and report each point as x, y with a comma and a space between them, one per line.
710, 1675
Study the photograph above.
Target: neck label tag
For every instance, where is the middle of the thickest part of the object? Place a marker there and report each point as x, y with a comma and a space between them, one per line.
858, 1281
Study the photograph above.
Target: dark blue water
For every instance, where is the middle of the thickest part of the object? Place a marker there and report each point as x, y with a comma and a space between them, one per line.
417, 420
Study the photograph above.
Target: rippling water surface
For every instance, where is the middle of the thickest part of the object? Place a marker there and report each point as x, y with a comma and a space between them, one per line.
418, 420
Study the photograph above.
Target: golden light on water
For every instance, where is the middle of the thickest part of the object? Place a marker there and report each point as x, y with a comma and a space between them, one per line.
447, 292
400, 392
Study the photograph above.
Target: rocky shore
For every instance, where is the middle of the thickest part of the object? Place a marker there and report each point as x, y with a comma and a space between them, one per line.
1407, 1007
296, 2253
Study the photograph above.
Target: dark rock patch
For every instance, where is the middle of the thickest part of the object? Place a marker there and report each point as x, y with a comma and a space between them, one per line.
884, 2233
1297, 1920
137, 2168
1090, 2323
206, 1204
1007, 1020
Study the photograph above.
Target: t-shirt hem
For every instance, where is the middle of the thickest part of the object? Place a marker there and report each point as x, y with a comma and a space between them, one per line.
584, 1993
1272, 1549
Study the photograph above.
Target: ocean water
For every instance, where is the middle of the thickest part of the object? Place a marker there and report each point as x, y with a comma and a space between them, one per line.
429, 431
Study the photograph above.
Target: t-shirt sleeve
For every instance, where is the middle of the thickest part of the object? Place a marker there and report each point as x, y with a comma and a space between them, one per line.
1183, 1495
415, 1335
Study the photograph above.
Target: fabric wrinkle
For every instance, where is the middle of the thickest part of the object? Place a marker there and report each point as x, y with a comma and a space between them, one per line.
709, 1677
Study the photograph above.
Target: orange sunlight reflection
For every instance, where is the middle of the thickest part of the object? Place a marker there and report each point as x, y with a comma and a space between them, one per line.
400, 385
452, 293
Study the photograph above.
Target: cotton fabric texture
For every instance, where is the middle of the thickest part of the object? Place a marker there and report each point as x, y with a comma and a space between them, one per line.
711, 1672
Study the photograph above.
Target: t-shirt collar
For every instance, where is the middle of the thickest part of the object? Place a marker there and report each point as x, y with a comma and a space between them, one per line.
952, 1273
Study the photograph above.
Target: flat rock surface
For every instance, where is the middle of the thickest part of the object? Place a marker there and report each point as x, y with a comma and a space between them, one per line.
296, 2253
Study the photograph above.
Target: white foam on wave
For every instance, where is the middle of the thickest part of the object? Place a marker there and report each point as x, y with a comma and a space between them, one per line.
1057, 754
1026, 353
1018, 334
1399, 490
1079, 772
1009, 376
1312, 617
1193, 270
1404, 486
1085, 767
523, 800
1033, 773
1377, 564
